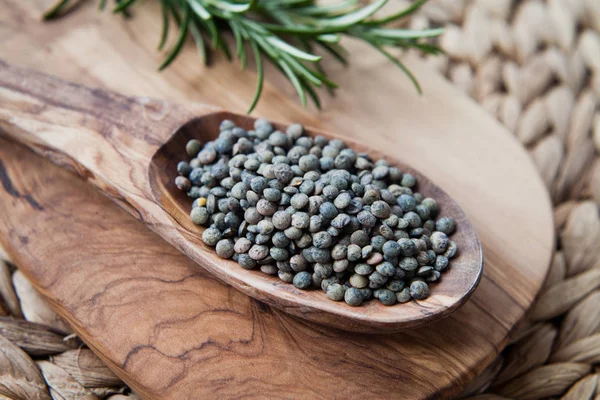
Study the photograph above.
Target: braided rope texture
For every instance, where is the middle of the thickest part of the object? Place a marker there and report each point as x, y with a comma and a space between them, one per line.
535, 66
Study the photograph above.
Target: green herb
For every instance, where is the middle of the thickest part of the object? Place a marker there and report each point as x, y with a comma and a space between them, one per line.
285, 32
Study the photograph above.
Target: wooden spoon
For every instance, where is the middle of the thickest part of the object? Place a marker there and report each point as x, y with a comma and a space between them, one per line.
129, 147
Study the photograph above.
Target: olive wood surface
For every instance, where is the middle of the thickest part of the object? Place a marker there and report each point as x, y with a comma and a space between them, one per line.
129, 148
485, 169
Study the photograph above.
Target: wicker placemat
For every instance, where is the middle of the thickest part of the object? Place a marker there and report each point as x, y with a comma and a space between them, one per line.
534, 65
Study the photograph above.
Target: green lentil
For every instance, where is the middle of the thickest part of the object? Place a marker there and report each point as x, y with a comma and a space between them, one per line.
445, 225
335, 292
293, 204
403, 295
353, 297
419, 290
302, 280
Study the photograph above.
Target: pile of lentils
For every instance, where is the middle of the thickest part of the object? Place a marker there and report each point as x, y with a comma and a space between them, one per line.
316, 214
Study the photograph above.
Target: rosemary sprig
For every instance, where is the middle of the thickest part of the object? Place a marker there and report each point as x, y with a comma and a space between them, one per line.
285, 32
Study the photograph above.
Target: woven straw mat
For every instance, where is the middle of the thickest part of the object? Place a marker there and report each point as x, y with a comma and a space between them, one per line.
535, 66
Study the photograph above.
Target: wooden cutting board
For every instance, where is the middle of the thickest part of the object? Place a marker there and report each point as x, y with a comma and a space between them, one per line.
169, 330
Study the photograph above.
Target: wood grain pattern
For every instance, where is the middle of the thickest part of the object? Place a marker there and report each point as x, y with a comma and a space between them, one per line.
115, 142
172, 331
483, 167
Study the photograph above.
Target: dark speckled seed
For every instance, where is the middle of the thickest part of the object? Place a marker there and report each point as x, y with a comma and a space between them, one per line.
360, 238
419, 290
385, 231
298, 263
308, 254
366, 219
377, 242
304, 241
441, 263
439, 242
380, 209
342, 200
272, 195
233, 220
287, 277
252, 216
417, 232
355, 206
302, 280
424, 271
330, 192
340, 221
285, 199
268, 269
354, 252
335, 292
339, 251
246, 262
386, 269
328, 210
353, 297
300, 220
387, 297
321, 255
323, 270
414, 221
194, 192
258, 184
423, 258
452, 250
340, 266
408, 264
281, 220
403, 296
199, 215
211, 236
278, 253
335, 232
343, 161
265, 207
371, 195
395, 285
224, 248
283, 172
408, 181
258, 252
363, 269
242, 245
293, 233
307, 187
299, 201
280, 240
193, 147
423, 212
445, 225
183, 168
309, 162
315, 224
407, 202
321, 240
366, 251
326, 163
432, 205
294, 131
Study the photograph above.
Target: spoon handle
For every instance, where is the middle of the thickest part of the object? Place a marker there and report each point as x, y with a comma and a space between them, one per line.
106, 138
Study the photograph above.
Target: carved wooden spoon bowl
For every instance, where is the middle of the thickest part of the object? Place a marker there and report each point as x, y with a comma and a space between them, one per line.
129, 147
